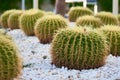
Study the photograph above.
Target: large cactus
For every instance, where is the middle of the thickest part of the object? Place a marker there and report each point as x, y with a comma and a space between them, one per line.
76, 12
4, 17
13, 20
28, 19
10, 60
113, 37
79, 48
89, 21
107, 18
46, 27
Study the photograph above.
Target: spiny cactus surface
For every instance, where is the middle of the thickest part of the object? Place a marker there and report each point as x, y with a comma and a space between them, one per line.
76, 12
79, 48
4, 17
107, 18
28, 19
47, 26
113, 37
13, 20
89, 21
10, 60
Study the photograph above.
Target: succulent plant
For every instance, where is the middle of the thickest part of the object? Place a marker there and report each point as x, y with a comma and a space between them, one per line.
49, 13
4, 17
79, 48
107, 18
89, 21
112, 34
13, 20
10, 60
47, 26
28, 19
76, 12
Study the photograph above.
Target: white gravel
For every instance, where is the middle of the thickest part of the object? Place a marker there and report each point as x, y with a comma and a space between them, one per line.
37, 63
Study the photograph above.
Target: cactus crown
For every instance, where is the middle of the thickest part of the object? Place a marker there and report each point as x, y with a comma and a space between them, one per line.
76, 12
4, 17
27, 20
112, 33
78, 48
47, 25
10, 60
89, 21
107, 18
13, 20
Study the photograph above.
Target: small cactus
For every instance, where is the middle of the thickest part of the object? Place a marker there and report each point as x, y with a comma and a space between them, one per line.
89, 21
47, 26
28, 19
107, 18
112, 33
76, 12
79, 48
4, 17
13, 20
10, 60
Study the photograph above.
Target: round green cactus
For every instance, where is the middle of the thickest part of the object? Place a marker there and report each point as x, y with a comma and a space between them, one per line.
46, 27
4, 17
89, 21
79, 48
76, 12
13, 20
28, 19
10, 60
107, 18
113, 37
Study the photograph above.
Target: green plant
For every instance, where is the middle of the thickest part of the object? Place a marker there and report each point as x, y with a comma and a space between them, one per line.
89, 21
28, 19
79, 48
107, 18
10, 60
13, 20
112, 34
47, 26
4, 17
76, 12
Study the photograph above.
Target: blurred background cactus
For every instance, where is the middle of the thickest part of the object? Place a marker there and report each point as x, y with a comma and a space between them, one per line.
90, 21
107, 18
112, 34
10, 59
4, 18
46, 27
79, 48
28, 19
13, 20
76, 12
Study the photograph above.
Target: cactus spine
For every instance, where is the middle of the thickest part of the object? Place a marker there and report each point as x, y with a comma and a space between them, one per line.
10, 60
4, 17
76, 12
113, 37
107, 18
13, 20
28, 19
89, 21
47, 26
78, 48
